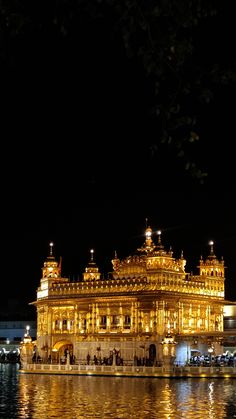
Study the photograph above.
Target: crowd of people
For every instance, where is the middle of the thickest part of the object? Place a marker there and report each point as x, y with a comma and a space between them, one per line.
225, 360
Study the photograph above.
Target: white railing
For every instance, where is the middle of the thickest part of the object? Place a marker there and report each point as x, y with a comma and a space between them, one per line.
128, 370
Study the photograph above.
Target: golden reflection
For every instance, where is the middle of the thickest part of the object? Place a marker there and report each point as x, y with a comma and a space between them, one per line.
45, 397
167, 402
201, 398
211, 400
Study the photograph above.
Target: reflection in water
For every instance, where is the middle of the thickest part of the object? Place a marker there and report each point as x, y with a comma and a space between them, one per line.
74, 397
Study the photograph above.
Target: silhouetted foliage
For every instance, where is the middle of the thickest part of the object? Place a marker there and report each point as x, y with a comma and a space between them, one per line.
174, 44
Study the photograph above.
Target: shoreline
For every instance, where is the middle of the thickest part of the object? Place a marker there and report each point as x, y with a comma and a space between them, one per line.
129, 371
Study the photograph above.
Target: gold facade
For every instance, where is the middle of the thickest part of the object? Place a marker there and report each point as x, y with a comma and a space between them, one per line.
148, 296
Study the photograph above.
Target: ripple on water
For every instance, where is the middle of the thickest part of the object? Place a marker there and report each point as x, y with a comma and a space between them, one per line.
31, 396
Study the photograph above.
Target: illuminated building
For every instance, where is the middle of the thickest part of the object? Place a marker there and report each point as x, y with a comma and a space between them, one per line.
147, 303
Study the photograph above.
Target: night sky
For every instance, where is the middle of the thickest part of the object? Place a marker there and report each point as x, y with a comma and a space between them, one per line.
76, 163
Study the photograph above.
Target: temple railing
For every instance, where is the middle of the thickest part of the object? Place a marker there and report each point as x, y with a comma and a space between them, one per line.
130, 370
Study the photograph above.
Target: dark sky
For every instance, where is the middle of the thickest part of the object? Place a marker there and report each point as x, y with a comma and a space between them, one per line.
76, 167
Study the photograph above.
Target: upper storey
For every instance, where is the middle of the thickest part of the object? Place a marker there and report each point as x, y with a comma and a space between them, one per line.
152, 269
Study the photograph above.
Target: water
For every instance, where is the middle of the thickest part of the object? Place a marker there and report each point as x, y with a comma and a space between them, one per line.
74, 397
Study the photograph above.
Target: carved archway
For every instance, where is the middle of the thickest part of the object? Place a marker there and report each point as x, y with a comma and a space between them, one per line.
60, 351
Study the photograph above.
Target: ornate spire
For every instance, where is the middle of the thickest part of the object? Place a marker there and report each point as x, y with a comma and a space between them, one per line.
92, 263
211, 266
159, 243
51, 246
51, 256
212, 254
91, 271
115, 262
51, 268
149, 246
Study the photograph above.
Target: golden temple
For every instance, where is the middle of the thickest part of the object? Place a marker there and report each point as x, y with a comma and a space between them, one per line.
148, 312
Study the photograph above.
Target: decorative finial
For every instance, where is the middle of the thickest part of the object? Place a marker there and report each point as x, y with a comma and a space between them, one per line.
115, 254
159, 236
211, 243
51, 246
146, 222
91, 253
